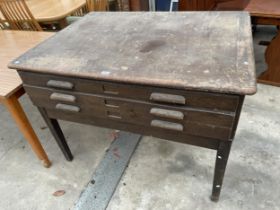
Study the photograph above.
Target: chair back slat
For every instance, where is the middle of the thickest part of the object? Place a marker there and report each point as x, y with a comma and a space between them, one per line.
2, 24
97, 5
18, 15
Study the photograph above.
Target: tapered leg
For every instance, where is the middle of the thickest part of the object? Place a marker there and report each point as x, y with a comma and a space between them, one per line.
57, 134
220, 167
20, 118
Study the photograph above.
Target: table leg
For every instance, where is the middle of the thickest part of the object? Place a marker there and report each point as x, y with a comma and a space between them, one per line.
20, 118
58, 134
220, 167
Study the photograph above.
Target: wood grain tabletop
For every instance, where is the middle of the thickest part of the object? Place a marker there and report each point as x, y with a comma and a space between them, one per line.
206, 51
264, 8
14, 43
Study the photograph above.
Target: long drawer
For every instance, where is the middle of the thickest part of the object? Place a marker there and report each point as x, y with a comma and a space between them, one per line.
149, 94
144, 130
182, 120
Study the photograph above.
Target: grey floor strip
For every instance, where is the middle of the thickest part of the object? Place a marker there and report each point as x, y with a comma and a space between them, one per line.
100, 189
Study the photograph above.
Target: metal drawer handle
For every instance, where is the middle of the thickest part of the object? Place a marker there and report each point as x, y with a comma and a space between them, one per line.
66, 107
167, 113
168, 98
62, 97
167, 125
60, 84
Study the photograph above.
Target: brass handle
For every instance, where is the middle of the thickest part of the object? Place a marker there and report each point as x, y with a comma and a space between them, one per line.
168, 98
167, 125
60, 84
62, 97
167, 113
66, 107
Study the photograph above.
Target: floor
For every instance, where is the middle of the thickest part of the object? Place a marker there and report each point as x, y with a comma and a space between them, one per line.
161, 175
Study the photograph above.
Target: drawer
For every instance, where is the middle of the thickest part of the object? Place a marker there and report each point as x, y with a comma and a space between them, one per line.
144, 130
184, 120
174, 97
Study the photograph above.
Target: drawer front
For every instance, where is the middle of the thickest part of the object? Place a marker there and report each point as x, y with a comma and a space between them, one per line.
182, 120
174, 97
144, 130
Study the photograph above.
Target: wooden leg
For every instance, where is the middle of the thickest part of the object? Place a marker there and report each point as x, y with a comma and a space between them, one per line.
58, 134
220, 167
20, 118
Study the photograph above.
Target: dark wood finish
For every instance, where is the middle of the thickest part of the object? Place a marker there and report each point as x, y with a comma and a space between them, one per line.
272, 74
262, 12
266, 13
199, 122
220, 168
196, 5
144, 130
131, 83
197, 99
140, 51
237, 116
139, 5
232, 5
57, 134
265, 21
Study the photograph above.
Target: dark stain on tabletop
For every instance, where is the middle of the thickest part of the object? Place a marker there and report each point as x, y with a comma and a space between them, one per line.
152, 45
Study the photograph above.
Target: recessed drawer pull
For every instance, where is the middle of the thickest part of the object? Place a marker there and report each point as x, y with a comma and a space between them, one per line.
66, 107
167, 125
115, 116
111, 92
60, 84
167, 113
62, 97
168, 98
112, 106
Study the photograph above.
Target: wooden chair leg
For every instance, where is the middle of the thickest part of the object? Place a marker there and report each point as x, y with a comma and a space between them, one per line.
220, 167
57, 134
20, 118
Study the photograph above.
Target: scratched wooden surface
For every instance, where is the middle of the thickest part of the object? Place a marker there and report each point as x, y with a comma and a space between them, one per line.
207, 51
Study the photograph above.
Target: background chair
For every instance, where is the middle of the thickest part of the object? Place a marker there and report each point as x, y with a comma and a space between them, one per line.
91, 5
2, 24
97, 5
18, 15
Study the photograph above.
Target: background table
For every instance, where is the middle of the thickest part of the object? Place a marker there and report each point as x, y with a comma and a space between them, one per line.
14, 43
54, 11
268, 13
263, 12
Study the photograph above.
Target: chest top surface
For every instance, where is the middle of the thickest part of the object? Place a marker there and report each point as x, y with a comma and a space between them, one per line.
205, 51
